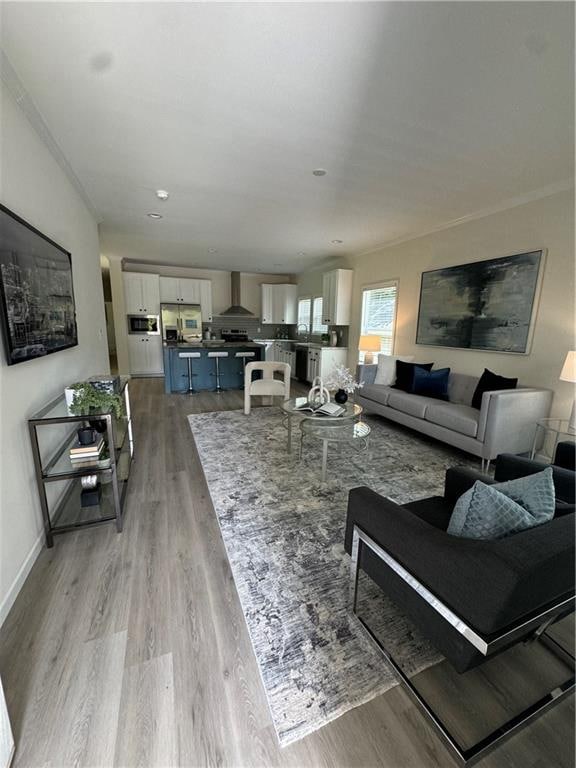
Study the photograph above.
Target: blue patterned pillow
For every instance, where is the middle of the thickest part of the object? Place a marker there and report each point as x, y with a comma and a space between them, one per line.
495, 511
533, 492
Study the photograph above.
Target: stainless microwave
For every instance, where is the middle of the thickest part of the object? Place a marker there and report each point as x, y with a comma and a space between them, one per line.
144, 324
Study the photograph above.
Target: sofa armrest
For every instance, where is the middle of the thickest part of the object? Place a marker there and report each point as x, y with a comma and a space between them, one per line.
509, 467
458, 480
508, 419
366, 374
489, 584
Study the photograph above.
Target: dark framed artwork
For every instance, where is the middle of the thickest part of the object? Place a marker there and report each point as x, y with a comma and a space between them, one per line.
36, 292
487, 305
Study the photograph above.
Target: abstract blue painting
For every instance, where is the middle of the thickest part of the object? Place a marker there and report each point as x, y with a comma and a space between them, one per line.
484, 305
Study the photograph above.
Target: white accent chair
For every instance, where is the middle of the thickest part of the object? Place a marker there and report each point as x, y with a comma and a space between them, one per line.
267, 386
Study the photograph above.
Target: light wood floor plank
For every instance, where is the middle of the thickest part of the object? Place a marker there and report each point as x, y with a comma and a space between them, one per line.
147, 731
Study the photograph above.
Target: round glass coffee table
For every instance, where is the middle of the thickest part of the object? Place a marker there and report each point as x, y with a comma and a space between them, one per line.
356, 433
291, 411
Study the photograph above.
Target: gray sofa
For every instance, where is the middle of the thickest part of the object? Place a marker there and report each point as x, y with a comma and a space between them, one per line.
504, 424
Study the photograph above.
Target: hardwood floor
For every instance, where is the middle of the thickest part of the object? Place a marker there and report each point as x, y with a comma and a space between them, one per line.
131, 649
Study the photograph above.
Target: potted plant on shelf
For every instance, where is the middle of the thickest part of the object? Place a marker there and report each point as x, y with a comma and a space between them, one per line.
342, 380
88, 400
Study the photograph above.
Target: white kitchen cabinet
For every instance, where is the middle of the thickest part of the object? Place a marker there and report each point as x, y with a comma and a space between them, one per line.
169, 289
321, 361
313, 367
337, 296
141, 294
279, 303
206, 300
145, 353
186, 290
283, 354
190, 291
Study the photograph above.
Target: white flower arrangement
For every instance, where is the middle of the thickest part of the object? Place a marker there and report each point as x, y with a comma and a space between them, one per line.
342, 378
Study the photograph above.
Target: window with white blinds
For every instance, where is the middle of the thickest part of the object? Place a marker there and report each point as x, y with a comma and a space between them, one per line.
379, 314
304, 309
317, 324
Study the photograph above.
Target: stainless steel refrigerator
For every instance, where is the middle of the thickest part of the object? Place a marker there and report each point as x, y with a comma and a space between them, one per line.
181, 322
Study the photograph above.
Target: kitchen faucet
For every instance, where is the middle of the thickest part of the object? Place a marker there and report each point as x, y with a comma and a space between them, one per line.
303, 325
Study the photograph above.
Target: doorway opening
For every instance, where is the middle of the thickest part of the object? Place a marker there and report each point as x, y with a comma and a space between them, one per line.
110, 330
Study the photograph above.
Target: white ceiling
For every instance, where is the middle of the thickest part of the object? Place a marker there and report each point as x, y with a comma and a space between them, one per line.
421, 112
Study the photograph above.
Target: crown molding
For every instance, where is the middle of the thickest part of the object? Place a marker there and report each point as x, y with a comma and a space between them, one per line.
514, 202
26, 104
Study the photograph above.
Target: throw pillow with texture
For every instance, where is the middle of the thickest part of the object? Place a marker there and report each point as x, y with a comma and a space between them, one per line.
405, 375
494, 511
536, 493
488, 382
386, 372
431, 383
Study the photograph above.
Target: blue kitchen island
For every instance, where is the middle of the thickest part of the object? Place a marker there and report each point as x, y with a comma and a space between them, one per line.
176, 368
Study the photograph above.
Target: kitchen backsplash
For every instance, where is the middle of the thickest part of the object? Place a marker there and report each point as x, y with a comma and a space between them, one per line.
256, 330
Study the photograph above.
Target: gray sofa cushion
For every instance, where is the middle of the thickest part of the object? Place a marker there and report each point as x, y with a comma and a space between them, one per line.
376, 392
458, 418
413, 405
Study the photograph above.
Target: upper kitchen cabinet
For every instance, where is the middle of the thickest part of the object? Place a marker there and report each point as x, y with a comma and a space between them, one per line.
279, 303
337, 296
206, 300
141, 293
169, 290
186, 290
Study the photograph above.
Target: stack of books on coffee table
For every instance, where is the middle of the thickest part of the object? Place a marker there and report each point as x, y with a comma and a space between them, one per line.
86, 455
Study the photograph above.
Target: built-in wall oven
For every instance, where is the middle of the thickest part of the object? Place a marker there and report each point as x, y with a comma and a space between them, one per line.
148, 325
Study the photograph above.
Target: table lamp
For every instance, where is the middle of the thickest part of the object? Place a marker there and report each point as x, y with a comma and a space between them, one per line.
368, 345
569, 374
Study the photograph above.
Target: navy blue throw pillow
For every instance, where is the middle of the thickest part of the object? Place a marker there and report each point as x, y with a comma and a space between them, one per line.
431, 383
488, 382
405, 374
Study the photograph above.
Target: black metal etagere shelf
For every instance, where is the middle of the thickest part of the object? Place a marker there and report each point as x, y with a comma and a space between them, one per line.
63, 511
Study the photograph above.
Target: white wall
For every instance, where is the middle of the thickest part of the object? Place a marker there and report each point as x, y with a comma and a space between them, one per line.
34, 186
547, 223
250, 283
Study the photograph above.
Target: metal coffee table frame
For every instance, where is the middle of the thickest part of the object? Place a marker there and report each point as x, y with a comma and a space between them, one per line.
487, 646
326, 432
290, 412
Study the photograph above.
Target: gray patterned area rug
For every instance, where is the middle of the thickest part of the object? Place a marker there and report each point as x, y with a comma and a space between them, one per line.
284, 535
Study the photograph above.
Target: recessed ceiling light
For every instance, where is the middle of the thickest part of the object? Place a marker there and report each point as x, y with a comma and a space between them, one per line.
337, 242
155, 215
212, 250
162, 194
319, 172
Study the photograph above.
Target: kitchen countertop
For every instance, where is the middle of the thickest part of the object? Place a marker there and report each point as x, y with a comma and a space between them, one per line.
210, 345
250, 344
297, 342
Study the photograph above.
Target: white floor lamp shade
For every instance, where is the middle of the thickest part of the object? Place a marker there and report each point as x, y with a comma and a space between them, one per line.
569, 374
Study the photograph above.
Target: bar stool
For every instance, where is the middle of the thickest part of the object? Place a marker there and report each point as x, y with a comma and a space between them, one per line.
244, 356
217, 356
190, 356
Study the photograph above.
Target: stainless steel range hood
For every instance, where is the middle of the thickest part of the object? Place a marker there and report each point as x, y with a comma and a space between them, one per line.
236, 310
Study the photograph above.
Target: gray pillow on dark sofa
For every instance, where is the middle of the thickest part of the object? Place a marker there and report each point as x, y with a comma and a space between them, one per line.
496, 511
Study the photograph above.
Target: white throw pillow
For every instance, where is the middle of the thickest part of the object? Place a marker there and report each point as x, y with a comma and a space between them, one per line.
386, 373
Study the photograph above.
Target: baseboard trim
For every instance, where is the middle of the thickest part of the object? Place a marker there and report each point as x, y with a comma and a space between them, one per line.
21, 577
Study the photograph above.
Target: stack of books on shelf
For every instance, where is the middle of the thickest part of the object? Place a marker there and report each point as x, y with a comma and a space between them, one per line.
86, 455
